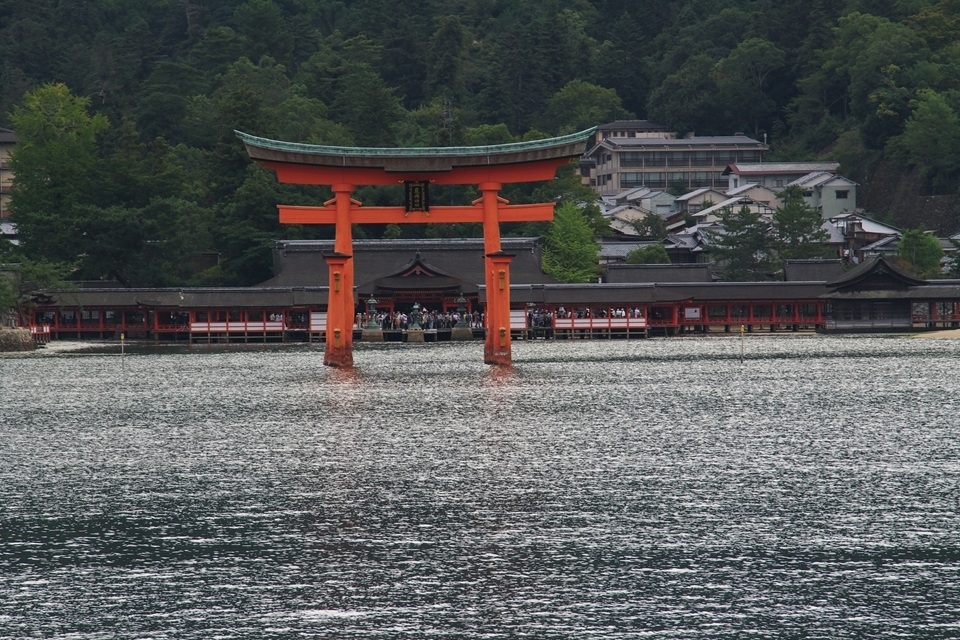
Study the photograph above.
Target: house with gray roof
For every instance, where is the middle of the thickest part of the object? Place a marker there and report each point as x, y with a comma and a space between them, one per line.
828, 193
775, 175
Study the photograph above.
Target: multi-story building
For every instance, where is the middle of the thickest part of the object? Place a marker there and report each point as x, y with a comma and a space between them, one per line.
633, 153
7, 141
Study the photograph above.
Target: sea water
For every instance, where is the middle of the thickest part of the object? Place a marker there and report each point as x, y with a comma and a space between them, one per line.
658, 488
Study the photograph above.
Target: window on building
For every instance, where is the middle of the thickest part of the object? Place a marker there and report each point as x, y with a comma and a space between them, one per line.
630, 180
654, 159
701, 178
679, 158
842, 195
677, 177
631, 159
724, 157
807, 194
656, 179
748, 156
778, 182
701, 159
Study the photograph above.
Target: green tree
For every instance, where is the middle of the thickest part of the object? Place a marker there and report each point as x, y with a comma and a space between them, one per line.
651, 254
261, 23
570, 253
743, 248
568, 188
741, 80
686, 99
446, 56
368, 108
651, 226
921, 251
798, 228
52, 162
867, 74
580, 105
21, 278
931, 138
487, 134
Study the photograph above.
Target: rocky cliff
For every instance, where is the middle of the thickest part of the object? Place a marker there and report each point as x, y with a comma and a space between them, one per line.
888, 188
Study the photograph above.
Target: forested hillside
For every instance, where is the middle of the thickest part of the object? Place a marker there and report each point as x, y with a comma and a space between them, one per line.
154, 89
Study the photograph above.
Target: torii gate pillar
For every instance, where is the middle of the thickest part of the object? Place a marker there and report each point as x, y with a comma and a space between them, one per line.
339, 351
496, 347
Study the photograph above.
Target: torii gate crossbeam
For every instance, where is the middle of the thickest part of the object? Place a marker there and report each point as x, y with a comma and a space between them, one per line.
345, 168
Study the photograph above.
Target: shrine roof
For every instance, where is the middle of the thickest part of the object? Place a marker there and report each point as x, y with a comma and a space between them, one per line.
415, 159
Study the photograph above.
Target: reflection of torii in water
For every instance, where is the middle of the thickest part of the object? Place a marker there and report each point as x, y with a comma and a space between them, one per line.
345, 168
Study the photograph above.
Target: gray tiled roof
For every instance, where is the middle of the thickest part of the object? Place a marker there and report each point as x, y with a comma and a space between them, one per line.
781, 167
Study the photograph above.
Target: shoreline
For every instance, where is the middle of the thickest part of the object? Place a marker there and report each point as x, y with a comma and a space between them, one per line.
943, 334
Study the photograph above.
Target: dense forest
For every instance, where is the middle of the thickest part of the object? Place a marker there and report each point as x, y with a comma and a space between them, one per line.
129, 168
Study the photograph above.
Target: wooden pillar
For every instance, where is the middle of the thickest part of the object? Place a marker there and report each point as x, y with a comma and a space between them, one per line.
339, 352
339, 349
496, 348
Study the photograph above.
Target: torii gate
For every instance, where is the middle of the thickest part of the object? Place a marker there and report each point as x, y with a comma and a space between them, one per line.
345, 168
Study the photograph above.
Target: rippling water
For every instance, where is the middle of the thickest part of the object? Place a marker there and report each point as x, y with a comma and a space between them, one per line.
596, 490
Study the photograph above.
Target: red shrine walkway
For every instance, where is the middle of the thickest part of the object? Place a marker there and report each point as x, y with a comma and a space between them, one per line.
345, 168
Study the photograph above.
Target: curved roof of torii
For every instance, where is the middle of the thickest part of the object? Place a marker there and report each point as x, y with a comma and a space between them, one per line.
415, 159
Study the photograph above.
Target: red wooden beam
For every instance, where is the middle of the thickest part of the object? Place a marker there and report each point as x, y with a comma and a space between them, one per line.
505, 173
290, 214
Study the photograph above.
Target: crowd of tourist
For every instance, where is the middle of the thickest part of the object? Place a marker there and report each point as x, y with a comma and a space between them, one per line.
584, 312
429, 320
537, 318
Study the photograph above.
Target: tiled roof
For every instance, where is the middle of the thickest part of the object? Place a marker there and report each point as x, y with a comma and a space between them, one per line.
747, 187
694, 194
411, 158
682, 142
768, 168
818, 178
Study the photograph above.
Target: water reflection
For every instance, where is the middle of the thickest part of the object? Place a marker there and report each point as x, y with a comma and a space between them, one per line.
608, 490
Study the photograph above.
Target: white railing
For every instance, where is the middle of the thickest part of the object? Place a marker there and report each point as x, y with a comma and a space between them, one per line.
599, 323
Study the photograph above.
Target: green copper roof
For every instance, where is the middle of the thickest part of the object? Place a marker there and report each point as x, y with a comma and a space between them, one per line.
416, 152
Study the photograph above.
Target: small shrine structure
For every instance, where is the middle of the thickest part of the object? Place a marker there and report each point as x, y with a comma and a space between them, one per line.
345, 168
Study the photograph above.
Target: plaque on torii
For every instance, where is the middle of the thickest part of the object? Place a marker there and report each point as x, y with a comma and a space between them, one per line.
345, 168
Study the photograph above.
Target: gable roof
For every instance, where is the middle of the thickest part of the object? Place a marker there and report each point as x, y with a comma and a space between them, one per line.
819, 179
747, 187
868, 224
697, 192
300, 262
730, 202
416, 275
877, 273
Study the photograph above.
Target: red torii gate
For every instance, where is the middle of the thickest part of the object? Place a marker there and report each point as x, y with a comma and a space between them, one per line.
345, 168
